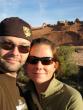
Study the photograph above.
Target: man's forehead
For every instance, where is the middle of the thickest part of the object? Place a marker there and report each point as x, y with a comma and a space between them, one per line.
14, 40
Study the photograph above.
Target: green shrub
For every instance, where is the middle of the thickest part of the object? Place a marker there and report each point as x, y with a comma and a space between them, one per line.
67, 64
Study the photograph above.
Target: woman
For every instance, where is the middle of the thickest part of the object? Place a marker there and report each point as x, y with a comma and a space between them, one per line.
46, 91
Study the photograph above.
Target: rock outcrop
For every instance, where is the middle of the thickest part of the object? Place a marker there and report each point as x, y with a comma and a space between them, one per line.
63, 33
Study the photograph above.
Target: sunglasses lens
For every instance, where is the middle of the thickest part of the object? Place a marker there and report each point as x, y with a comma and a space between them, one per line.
7, 45
11, 46
47, 60
23, 49
44, 60
32, 60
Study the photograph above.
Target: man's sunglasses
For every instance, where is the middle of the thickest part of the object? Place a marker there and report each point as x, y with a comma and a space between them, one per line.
10, 46
44, 60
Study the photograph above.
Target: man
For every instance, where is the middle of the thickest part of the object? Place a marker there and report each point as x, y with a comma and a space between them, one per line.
15, 36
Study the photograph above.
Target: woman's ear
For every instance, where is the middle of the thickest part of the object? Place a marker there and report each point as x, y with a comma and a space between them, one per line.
56, 65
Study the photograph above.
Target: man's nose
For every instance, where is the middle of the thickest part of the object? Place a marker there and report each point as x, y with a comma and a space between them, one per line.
15, 51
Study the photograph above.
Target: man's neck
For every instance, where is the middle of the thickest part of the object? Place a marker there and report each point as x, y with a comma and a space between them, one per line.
12, 74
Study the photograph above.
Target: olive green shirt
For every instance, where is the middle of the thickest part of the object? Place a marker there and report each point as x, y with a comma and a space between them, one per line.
58, 96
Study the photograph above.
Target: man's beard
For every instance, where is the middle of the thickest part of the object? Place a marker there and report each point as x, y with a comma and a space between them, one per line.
7, 67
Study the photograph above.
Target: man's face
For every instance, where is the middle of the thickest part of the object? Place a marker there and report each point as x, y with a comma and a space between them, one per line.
13, 52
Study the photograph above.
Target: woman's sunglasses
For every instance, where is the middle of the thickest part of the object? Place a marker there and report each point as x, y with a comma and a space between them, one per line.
44, 60
10, 46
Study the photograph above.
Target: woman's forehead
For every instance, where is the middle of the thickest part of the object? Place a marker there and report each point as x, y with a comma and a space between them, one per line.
41, 50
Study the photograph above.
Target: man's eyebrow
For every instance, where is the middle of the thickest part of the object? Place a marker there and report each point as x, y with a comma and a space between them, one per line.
6, 40
23, 43
10, 41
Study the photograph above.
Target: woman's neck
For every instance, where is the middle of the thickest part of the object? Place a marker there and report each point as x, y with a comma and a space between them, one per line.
42, 87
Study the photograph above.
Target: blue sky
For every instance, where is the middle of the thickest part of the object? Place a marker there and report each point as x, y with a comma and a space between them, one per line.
36, 12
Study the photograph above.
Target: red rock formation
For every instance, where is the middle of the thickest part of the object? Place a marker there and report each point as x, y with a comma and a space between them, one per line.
63, 33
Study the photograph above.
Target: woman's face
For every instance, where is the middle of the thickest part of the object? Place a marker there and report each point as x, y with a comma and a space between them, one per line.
39, 72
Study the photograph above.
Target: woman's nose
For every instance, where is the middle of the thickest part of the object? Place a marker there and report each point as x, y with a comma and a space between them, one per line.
39, 64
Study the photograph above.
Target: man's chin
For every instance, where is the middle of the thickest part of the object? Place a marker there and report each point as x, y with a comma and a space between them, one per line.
12, 67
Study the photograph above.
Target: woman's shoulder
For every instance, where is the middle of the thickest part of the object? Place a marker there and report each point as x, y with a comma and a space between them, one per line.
71, 92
